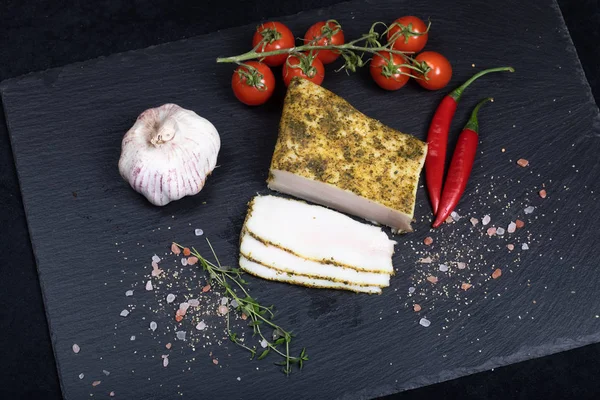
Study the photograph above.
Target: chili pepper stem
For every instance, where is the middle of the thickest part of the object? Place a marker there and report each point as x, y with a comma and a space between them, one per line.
473, 123
457, 93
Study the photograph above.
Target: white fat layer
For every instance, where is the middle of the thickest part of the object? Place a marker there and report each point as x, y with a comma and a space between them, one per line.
285, 261
271, 274
320, 234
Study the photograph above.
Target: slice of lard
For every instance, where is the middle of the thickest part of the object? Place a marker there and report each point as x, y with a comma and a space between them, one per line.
265, 272
281, 260
319, 234
329, 153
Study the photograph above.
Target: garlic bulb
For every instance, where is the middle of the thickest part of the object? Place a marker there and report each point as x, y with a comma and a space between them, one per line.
168, 153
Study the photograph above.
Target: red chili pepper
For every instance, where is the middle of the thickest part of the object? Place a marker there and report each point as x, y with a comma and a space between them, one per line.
437, 138
460, 167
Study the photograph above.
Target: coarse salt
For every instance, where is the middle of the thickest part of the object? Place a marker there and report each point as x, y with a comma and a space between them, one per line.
184, 261
461, 265
155, 258
81, 376
486, 220
165, 361
112, 394
124, 313
465, 286
223, 310
132, 338
522, 162
224, 301
424, 322
500, 231
192, 260
443, 267
428, 241
497, 273
170, 298
491, 231
129, 293
512, 227
175, 249
529, 210
76, 348
455, 216
432, 279
194, 302
474, 221
96, 383
105, 372
524, 246
510, 246
149, 285
153, 326
184, 306
263, 343
199, 232
519, 224
180, 335
411, 289
426, 260
234, 303
543, 193
416, 308
201, 326
168, 346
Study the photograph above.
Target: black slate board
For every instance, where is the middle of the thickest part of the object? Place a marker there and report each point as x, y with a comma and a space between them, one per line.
66, 126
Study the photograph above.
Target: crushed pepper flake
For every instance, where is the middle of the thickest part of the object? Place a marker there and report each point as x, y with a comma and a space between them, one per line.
178, 318
522, 162
543, 193
417, 308
497, 273
491, 231
96, 383
192, 260
205, 288
186, 251
168, 346
432, 279
519, 224
465, 286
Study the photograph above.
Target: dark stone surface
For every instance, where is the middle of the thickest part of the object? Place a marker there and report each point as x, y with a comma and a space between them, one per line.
26, 350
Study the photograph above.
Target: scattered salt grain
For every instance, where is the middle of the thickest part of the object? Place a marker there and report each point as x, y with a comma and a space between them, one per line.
175, 249
192, 260
165, 361
443, 267
512, 227
416, 308
432, 279
96, 383
486, 220
180, 335
199, 232
263, 343
112, 394
474, 221
455, 216
105, 372
153, 326
132, 338
81, 376
124, 313
184, 306
500, 231
426, 260
524, 246
149, 285
491, 231
76, 348
510, 247
425, 322
170, 298
497, 273
411, 290
129, 293
194, 302
238, 378
522, 162
529, 209
223, 310
461, 265
155, 258
201, 326
184, 261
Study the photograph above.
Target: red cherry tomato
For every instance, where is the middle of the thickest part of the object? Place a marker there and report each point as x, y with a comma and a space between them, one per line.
440, 70
272, 36
305, 66
409, 34
387, 70
253, 83
330, 33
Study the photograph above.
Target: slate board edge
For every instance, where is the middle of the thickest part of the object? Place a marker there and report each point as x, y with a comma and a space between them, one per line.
497, 362
538, 351
40, 276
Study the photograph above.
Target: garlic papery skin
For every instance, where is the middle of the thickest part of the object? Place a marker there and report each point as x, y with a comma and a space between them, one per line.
168, 153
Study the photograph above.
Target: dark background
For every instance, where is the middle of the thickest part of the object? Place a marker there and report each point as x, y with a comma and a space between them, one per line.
43, 34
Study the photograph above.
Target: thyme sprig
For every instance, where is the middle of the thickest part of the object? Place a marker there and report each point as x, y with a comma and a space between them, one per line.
352, 52
260, 316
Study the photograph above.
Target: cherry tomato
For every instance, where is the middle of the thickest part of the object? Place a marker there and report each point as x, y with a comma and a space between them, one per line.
330, 33
253, 83
305, 66
272, 36
387, 71
440, 70
409, 34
